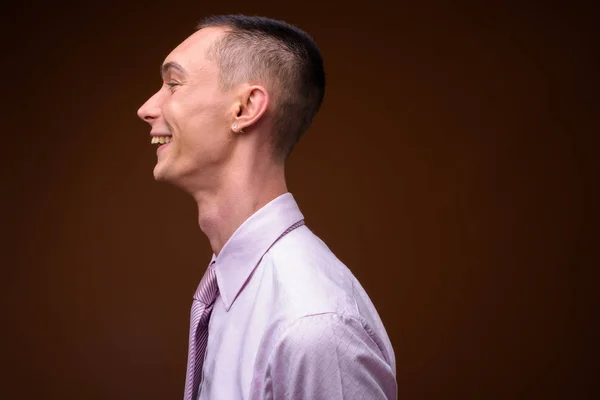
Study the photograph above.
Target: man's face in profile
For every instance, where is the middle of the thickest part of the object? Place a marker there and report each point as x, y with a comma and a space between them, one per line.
191, 111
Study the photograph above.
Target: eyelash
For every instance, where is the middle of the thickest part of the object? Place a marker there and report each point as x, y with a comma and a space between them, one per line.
172, 85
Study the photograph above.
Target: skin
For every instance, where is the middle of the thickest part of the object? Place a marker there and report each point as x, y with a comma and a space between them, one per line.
230, 171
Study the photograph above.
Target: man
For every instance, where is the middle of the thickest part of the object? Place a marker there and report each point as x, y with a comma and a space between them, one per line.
276, 315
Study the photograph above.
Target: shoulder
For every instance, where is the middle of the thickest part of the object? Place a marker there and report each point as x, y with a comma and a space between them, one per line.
308, 277
311, 288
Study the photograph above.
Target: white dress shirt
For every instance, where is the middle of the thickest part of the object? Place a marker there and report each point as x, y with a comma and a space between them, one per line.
291, 321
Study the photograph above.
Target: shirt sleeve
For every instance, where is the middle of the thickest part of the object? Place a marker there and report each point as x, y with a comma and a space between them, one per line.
328, 356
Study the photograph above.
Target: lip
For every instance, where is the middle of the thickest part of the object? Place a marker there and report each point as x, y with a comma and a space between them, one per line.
162, 147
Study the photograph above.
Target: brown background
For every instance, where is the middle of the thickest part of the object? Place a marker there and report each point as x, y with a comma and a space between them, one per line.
449, 168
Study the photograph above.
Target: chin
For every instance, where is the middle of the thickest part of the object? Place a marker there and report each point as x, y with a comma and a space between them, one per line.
161, 174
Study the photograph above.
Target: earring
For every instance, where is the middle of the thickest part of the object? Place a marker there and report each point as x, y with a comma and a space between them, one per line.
234, 127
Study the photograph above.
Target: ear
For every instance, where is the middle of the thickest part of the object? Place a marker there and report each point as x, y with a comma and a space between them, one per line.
253, 105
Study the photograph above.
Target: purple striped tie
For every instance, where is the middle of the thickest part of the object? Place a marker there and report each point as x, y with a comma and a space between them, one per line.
202, 305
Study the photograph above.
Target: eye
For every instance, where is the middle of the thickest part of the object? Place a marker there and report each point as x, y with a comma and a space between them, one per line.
172, 85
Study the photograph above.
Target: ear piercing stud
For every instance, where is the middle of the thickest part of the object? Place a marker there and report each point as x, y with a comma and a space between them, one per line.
234, 127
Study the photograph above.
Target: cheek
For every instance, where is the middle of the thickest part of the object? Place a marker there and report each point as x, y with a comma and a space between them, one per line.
198, 122
184, 113
174, 115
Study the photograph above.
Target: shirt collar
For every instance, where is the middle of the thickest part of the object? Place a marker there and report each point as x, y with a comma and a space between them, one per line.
244, 250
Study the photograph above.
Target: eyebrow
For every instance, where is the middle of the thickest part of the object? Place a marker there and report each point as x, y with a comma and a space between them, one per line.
172, 65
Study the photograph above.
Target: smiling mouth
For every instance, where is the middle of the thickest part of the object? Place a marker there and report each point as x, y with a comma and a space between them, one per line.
160, 139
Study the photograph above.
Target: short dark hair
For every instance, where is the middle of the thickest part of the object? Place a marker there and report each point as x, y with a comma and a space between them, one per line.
256, 48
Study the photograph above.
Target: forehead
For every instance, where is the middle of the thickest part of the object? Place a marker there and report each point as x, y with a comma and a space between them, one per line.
191, 53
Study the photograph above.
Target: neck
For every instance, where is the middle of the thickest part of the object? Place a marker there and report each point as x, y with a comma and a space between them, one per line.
222, 211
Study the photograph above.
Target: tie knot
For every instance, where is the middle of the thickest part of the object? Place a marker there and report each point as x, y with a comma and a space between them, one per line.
208, 288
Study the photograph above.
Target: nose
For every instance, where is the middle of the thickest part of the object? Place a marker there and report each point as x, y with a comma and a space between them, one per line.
150, 110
